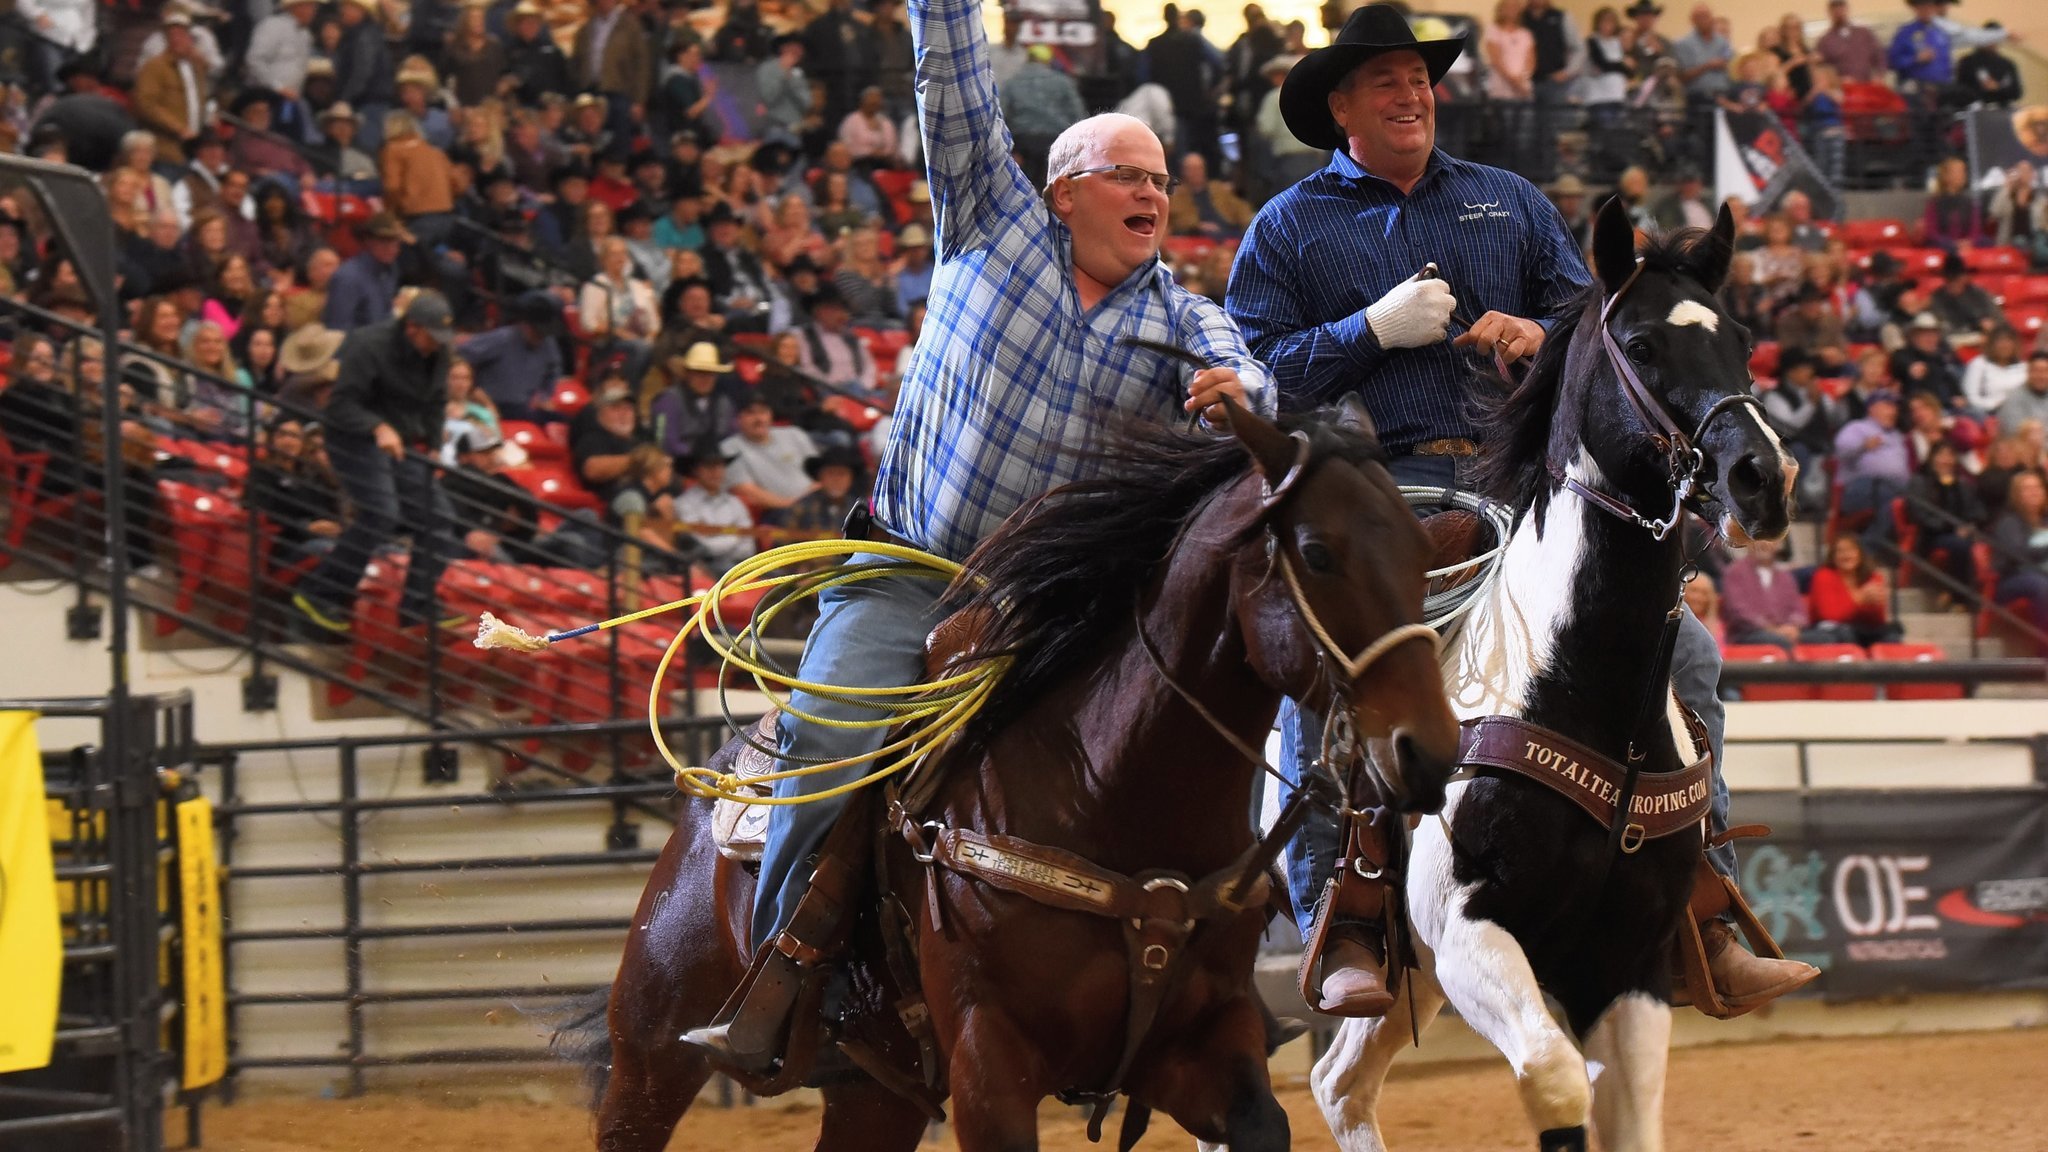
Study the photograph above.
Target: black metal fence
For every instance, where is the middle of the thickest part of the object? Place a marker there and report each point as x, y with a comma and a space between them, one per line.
346, 918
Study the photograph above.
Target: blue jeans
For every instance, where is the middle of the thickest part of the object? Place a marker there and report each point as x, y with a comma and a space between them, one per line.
868, 635
390, 497
1695, 674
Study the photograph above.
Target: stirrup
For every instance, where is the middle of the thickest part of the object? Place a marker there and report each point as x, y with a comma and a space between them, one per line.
752, 1031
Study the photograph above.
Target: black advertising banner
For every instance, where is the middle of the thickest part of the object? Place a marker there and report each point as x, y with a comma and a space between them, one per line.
1890, 892
1757, 160
1071, 28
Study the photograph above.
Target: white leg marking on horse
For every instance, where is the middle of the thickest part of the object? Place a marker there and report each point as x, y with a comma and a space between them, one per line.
1631, 1043
1692, 313
1346, 1082
1487, 977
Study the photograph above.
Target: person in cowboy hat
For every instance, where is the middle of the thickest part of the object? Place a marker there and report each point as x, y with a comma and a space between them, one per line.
419, 91
1646, 43
710, 511
840, 474
1368, 317
692, 406
1026, 277
366, 283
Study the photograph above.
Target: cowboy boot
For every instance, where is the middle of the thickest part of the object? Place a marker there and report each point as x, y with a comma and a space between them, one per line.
1349, 943
750, 1038
1742, 979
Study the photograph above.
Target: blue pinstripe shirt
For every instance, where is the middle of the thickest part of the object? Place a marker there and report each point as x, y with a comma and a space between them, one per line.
1012, 381
1322, 251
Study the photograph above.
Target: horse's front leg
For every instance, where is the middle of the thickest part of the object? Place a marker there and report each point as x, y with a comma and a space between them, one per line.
1348, 1079
1217, 1087
1631, 1042
1487, 977
997, 1078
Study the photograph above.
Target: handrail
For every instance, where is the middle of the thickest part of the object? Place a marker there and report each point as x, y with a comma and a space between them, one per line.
304, 412
1955, 587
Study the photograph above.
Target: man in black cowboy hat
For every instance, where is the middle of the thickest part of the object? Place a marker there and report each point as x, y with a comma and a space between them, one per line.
366, 283
840, 474
1406, 239
1648, 43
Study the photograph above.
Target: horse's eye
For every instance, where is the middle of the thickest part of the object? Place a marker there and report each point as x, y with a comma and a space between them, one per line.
1317, 558
1639, 352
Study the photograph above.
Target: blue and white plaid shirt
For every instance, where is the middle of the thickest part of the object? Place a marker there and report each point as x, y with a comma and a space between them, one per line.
1320, 252
1012, 381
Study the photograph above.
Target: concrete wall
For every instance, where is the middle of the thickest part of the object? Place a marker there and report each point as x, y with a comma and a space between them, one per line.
41, 662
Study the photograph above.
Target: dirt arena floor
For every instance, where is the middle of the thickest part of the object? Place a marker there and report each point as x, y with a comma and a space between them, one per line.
1985, 1092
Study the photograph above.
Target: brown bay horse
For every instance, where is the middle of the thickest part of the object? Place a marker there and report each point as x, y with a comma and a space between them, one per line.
1155, 618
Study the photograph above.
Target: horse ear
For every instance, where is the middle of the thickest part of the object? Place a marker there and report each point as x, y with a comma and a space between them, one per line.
1715, 251
1274, 453
1351, 414
1614, 245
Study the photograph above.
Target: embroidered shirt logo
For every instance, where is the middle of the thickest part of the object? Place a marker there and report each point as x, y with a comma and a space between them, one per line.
1490, 210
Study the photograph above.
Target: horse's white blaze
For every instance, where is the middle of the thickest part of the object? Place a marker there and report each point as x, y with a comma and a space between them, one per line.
1692, 313
1628, 1046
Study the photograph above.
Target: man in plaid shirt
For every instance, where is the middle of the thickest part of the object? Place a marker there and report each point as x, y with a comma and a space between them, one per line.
1022, 366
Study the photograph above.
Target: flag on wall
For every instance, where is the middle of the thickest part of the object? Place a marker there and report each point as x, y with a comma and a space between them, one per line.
31, 934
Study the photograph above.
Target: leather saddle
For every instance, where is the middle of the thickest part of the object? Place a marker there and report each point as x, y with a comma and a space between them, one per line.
740, 830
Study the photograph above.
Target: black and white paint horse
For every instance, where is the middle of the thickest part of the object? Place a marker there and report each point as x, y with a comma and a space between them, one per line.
1514, 893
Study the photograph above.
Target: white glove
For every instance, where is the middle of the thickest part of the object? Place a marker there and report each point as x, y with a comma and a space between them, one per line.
1414, 315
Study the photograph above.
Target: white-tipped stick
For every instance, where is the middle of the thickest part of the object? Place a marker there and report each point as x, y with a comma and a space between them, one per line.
492, 632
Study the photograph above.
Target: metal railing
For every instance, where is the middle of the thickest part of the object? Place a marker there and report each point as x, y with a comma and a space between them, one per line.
211, 561
350, 808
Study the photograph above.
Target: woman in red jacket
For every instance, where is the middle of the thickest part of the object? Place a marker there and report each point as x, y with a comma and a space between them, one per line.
1851, 596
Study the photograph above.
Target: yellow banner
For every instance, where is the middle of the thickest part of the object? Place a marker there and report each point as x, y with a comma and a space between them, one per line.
31, 932
205, 1010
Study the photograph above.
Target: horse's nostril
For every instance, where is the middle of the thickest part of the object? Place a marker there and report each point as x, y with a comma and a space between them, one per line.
1747, 478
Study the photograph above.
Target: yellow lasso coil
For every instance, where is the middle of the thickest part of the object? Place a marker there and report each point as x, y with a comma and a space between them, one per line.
931, 712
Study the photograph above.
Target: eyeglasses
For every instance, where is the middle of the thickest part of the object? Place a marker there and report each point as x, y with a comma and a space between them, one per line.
1130, 176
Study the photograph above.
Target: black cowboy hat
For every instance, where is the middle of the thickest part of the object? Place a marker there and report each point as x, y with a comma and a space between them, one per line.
1643, 8
252, 96
823, 297
1371, 31
720, 213
845, 458
702, 452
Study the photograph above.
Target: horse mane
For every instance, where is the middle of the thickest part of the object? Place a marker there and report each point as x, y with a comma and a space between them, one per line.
1059, 578
1514, 420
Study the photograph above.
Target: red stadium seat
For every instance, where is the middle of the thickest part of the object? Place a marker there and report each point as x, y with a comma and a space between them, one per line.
552, 481
2007, 259
535, 439
1188, 249
2028, 319
1872, 234
1918, 653
1763, 360
1765, 654
2022, 290
21, 474
570, 397
1839, 654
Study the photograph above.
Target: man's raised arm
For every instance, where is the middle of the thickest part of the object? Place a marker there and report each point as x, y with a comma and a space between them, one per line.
966, 144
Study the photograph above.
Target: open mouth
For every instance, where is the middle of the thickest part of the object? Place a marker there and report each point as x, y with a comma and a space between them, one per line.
1405, 120
1143, 223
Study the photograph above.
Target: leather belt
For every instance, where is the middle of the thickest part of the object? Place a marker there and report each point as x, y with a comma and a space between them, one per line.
1450, 446
1664, 802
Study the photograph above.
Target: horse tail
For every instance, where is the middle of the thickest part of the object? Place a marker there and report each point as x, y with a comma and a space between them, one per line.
582, 1035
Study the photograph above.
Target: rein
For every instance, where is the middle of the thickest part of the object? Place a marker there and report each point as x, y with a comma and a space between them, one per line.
1685, 458
1687, 462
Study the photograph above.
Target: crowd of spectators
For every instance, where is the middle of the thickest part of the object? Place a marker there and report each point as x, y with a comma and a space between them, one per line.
711, 220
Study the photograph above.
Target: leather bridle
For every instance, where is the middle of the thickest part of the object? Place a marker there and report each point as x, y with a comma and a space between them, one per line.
1687, 461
